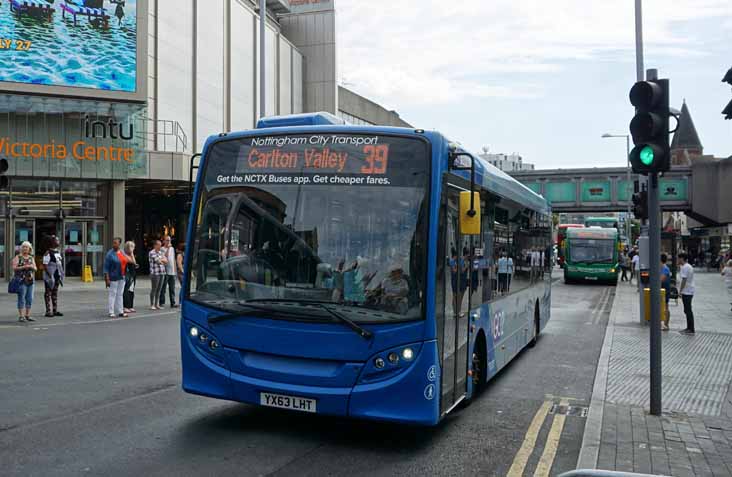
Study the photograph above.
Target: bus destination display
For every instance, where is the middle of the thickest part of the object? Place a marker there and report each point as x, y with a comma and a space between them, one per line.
326, 159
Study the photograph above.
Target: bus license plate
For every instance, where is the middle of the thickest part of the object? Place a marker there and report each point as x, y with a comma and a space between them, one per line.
287, 402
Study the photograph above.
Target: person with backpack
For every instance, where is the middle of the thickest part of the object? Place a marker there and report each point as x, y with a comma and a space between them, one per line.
53, 276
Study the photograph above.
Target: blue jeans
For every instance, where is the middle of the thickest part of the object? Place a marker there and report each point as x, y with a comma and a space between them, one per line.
25, 296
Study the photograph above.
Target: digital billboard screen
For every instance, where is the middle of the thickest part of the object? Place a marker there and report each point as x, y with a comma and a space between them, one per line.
88, 44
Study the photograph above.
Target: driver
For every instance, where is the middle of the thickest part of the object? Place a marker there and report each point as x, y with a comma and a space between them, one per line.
395, 289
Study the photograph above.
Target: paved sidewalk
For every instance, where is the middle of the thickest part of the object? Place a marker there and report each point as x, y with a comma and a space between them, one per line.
694, 435
79, 301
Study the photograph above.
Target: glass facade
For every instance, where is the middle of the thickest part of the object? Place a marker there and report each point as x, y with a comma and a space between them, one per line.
36, 206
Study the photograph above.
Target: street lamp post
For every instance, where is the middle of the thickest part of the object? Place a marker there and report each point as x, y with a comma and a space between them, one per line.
627, 156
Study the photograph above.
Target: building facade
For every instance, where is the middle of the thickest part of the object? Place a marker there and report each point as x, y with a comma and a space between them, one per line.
507, 162
99, 140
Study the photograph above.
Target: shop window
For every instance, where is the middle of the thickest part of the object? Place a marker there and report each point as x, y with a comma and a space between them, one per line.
34, 197
84, 198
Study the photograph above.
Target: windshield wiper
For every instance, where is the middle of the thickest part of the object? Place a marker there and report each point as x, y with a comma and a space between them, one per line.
323, 305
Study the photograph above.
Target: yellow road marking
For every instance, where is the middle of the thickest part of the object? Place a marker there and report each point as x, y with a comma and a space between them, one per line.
552, 443
523, 454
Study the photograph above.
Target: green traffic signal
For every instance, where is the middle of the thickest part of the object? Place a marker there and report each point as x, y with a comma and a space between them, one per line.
647, 156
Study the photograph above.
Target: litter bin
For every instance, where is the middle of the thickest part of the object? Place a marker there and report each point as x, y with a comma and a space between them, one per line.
647, 303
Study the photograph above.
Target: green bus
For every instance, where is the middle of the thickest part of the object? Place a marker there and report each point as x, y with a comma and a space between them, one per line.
591, 254
604, 222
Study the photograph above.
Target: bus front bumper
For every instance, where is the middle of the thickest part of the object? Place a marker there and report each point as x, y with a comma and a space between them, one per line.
409, 396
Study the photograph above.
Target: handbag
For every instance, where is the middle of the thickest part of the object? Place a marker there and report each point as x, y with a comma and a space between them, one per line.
14, 285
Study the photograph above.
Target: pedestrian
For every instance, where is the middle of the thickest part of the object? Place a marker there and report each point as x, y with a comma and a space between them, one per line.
727, 274
623, 267
170, 273
157, 273
119, 10
687, 291
179, 262
128, 296
666, 285
635, 263
53, 276
505, 266
24, 268
115, 265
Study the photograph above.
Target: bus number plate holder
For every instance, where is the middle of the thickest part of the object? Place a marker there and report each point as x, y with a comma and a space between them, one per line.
282, 401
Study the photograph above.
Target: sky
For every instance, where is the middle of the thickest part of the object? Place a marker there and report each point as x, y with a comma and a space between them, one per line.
542, 78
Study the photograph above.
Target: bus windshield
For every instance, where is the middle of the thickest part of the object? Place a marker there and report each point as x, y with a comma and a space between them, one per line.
591, 250
339, 219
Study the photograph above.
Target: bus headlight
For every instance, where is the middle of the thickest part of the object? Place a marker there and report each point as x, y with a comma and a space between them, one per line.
389, 362
205, 343
612, 270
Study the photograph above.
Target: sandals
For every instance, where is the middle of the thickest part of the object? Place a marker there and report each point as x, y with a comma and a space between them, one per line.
28, 318
123, 315
21, 319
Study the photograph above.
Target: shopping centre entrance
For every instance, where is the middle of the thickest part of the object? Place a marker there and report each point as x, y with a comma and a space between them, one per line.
82, 242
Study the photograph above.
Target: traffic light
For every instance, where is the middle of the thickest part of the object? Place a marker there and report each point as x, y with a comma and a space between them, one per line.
640, 205
4, 181
649, 127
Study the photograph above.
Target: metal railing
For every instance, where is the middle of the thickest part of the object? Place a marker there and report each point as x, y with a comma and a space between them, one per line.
161, 135
603, 473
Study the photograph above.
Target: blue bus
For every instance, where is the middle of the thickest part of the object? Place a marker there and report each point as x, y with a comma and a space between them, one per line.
357, 271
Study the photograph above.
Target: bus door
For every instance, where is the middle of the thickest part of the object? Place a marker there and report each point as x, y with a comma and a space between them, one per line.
457, 309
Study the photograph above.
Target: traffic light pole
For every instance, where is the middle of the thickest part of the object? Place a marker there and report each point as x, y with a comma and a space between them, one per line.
654, 242
654, 245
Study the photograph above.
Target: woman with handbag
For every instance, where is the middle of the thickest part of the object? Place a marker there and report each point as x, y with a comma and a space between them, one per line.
24, 266
128, 295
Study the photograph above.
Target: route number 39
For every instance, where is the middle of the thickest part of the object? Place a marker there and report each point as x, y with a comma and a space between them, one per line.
377, 158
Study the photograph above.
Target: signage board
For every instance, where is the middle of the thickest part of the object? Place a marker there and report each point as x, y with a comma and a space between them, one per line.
354, 160
82, 48
595, 191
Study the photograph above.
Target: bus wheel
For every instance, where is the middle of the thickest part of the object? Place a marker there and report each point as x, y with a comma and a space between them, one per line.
537, 325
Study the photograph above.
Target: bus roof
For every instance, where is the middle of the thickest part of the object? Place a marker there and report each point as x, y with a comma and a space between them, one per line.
490, 177
592, 233
495, 180
571, 226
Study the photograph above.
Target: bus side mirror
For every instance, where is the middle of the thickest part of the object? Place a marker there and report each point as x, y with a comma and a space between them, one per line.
469, 219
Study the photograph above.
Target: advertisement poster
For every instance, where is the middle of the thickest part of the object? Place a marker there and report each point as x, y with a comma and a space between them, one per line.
74, 43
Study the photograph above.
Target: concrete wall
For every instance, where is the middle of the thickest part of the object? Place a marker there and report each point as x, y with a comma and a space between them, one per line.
313, 33
355, 105
712, 192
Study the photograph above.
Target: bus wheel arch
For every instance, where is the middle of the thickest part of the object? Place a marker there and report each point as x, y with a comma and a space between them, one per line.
536, 323
480, 363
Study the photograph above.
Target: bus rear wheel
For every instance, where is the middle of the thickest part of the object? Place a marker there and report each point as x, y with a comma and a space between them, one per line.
537, 325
